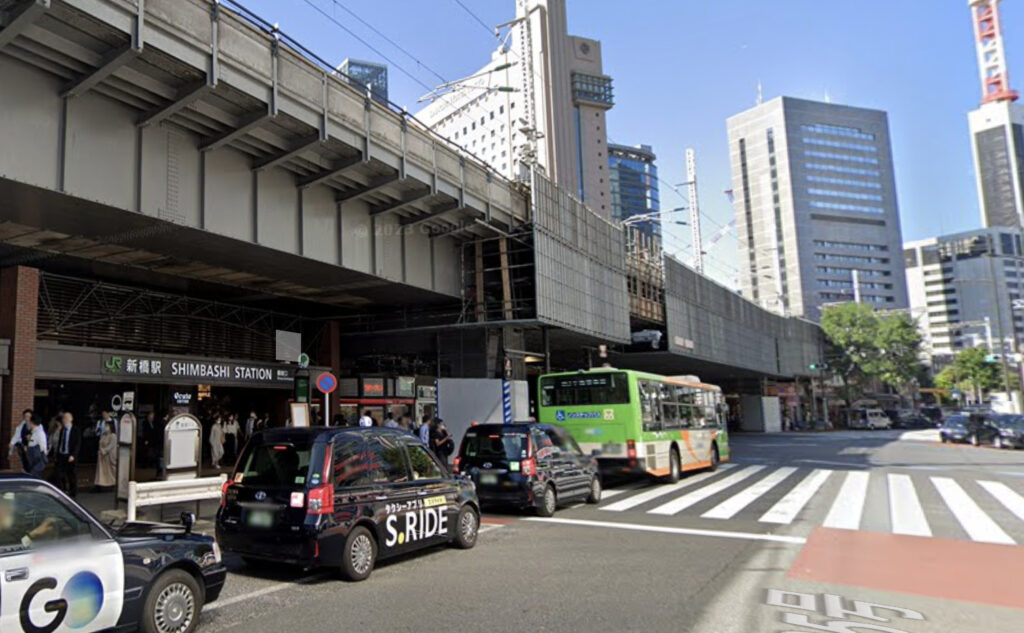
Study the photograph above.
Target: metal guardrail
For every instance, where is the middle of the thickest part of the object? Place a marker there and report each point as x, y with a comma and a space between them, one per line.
158, 493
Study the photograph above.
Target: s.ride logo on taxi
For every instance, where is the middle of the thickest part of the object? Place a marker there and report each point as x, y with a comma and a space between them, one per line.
79, 603
427, 522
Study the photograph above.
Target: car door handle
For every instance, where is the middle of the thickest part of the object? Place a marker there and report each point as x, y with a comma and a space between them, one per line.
12, 575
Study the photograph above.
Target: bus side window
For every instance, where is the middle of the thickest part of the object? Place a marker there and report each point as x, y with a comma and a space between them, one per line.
670, 415
685, 416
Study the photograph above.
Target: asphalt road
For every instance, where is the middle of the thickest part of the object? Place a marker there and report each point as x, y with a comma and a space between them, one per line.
785, 538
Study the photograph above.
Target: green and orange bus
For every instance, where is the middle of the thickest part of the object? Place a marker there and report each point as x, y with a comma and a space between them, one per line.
638, 423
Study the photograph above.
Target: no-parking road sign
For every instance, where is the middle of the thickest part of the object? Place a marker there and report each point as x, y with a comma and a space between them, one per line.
326, 382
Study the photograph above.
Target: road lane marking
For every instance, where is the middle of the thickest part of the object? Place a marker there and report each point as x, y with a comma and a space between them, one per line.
905, 509
614, 492
659, 491
789, 506
748, 536
978, 525
731, 506
681, 503
1006, 496
848, 507
281, 586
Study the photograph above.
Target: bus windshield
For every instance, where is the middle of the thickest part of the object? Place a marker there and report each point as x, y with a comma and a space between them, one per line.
584, 389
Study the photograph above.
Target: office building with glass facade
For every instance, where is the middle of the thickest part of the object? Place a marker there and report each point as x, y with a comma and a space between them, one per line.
368, 75
633, 178
963, 288
997, 142
816, 211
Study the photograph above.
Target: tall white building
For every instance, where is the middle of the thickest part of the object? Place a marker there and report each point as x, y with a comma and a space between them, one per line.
543, 98
963, 288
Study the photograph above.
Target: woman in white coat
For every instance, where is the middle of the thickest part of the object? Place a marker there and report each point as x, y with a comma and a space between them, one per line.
216, 442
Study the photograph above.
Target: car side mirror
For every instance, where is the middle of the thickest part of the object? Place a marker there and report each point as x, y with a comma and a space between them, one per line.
188, 520
595, 453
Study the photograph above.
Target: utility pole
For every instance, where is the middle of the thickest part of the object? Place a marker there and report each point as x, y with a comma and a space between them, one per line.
691, 193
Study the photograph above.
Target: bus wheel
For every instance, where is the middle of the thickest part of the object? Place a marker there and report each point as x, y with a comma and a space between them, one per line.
714, 457
674, 469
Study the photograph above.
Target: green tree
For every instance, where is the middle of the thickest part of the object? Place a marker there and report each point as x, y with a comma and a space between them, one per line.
897, 360
865, 345
969, 370
850, 330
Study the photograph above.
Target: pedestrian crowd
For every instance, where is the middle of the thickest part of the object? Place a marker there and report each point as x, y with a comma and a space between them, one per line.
431, 430
57, 446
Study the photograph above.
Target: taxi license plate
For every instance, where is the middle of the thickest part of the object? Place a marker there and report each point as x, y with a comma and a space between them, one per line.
488, 478
260, 519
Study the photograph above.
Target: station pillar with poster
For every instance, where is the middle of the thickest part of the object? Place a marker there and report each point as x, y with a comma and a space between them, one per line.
126, 435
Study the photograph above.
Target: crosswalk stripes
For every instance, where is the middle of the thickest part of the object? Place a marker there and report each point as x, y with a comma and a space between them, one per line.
848, 507
679, 504
789, 506
978, 525
905, 508
1010, 499
899, 497
660, 491
731, 506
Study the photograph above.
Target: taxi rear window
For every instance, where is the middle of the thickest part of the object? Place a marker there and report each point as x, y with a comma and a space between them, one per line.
275, 464
495, 445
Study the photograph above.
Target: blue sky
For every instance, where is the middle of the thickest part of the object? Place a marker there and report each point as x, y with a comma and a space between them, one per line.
681, 67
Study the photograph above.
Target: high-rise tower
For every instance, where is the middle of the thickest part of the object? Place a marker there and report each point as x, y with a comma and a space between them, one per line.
997, 125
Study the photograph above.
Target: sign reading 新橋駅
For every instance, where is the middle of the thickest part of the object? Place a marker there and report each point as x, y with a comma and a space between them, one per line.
154, 368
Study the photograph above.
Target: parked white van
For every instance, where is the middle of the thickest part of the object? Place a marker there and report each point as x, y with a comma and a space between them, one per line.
869, 419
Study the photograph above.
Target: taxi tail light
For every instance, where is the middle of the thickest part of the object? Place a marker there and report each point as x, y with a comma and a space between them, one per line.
455, 464
224, 492
529, 466
321, 498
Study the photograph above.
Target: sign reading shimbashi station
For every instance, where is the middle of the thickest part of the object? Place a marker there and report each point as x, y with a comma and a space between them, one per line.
167, 369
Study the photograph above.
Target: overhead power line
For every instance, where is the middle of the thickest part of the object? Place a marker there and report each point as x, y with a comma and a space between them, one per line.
388, 39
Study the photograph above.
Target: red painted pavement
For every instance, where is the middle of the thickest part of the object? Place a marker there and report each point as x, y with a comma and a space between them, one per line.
938, 568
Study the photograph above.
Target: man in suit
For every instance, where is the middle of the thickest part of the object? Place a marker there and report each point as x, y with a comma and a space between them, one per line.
69, 442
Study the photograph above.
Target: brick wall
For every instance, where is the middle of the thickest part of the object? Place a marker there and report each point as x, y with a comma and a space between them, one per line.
19, 297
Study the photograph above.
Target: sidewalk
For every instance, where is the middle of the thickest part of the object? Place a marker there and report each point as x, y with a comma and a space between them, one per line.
104, 506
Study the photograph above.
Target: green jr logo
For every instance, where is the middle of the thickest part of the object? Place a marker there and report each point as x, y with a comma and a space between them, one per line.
114, 364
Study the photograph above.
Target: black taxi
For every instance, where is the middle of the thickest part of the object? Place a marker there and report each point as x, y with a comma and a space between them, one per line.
62, 570
342, 498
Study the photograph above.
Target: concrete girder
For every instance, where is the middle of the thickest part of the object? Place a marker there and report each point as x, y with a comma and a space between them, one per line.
303, 145
186, 96
247, 123
21, 19
436, 212
373, 186
336, 169
406, 200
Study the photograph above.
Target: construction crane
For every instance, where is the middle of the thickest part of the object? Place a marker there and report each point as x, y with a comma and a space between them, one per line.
995, 79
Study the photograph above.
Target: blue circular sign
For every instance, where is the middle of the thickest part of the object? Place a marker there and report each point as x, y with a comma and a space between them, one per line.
326, 382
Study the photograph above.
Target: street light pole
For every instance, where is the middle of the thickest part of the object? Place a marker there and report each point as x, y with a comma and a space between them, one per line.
999, 321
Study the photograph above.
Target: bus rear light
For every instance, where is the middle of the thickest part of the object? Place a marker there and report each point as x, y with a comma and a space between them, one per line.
631, 449
529, 466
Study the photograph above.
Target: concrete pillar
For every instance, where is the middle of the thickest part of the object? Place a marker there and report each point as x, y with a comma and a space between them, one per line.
19, 303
